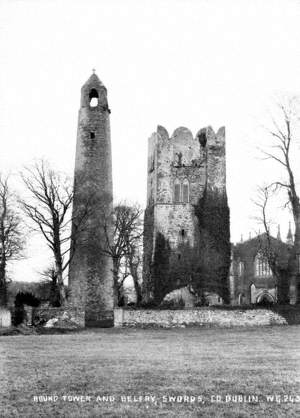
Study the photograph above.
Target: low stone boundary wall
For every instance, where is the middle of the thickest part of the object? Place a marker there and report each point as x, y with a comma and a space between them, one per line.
208, 317
5, 318
44, 314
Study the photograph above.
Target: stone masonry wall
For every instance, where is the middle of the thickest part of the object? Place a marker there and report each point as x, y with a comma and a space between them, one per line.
77, 316
174, 162
5, 318
201, 317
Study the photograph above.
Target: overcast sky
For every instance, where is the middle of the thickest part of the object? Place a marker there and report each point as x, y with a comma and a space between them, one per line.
175, 63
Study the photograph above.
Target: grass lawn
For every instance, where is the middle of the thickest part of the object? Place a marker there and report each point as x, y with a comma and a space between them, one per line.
209, 363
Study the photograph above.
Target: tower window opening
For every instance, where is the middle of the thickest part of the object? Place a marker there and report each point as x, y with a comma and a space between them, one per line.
202, 138
92, 135
185, 191
177, 192
93, 96
182, 233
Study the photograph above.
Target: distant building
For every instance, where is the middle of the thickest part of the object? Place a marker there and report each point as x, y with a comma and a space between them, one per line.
252, 280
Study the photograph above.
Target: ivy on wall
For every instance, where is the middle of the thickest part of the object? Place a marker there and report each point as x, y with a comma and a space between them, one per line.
206, 266
160, 268
147, 253
212, 212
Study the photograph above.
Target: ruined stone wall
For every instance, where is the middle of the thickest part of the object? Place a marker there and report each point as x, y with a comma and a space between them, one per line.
91, 281
41, 315
248, 285
206, 317
172, 220
148, 245
5, 318
180, 169
216, 161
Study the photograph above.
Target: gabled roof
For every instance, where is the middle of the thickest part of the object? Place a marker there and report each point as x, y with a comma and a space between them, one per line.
250, 248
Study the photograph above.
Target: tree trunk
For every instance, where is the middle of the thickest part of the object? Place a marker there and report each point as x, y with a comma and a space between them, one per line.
59, 279
138, 291
116, 281
282, 281
61, 288
54, 297
137, 287
297, 253
3, 284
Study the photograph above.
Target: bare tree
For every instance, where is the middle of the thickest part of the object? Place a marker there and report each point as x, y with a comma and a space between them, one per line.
134, 258
266, 246
49, 210
49, 279
124, 249
283, 134
276, 254
11, 235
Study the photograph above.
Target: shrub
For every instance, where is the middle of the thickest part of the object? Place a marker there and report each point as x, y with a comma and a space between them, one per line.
151, 304
26, 298
172, 304
23, 298
18, 315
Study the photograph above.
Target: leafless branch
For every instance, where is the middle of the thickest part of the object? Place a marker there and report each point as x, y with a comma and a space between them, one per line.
11, 234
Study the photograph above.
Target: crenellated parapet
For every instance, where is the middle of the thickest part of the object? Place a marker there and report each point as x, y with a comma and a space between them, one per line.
183, 158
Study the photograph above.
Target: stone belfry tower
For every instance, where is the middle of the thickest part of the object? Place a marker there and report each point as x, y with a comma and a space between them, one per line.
90, 275
186, 223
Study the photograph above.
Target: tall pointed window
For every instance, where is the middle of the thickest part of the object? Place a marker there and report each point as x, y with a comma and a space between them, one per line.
241, 268
185, 191
177, 190
261, 266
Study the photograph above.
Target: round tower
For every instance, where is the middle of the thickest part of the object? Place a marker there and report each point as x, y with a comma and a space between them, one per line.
90, 275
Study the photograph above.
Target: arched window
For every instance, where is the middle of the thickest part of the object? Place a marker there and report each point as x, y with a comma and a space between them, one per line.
240, 298
185, 191
261, 266
240, 268
177, 191
253, 293
182, 235
93, 96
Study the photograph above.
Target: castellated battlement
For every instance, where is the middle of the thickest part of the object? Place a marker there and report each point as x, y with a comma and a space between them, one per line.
181, 168
180, 165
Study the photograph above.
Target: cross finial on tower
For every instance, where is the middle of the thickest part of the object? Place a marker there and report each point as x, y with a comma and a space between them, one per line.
94, 70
